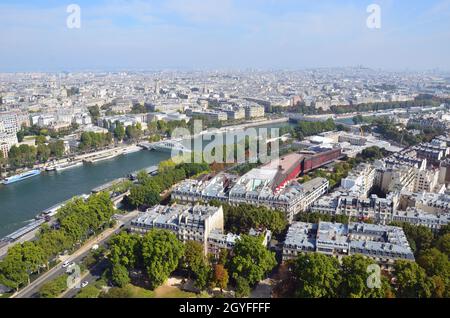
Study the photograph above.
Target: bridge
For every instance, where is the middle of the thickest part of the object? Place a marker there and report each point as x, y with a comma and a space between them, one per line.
166, 146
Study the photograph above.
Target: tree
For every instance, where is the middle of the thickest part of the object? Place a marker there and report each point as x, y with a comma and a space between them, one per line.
94, 111
124, 250
435, 263
57, 148
220, 276
141, 195
194, 257
13, 271
203, 276
161, 253
443, 244
54, 288
119, 275
242, 287
39, 140
251, 259
317, 276
411, 280
355, 275
133, 132
242, 218
2, 161
43, 153
20, 135
22, 156
119, 131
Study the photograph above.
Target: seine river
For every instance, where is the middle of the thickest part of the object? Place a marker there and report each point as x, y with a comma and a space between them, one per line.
22, 201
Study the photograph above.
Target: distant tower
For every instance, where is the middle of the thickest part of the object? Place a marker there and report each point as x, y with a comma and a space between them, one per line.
157, 87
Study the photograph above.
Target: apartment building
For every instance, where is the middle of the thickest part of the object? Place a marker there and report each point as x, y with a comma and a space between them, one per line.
189, 223
384, 244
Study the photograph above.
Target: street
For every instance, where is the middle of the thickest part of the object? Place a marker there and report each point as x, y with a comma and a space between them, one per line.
31, 291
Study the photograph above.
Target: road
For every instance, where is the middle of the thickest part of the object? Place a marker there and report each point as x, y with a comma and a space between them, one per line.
31, 291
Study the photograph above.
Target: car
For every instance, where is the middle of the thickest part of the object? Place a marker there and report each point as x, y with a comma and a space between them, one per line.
84, 284
65, 264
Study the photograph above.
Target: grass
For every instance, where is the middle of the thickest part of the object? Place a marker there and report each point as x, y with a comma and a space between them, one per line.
138, 292
172, 292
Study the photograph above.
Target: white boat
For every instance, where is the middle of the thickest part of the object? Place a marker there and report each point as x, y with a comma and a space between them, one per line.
103, 157
131, 150
68, 165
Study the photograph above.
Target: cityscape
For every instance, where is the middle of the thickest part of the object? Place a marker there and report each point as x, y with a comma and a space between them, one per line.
257, 182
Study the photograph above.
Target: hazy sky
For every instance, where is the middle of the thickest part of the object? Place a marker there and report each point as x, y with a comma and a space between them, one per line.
212, 34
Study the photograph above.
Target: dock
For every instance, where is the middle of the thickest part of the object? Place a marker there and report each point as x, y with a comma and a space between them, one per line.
108, 185
153, 170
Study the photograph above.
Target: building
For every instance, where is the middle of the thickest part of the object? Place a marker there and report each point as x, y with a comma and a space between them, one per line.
7, 140
255, 111
361, 179
12, 121
432, 152
418, 217
235, 113
353, 139
426, 181
384, 244
189, 223
209, 115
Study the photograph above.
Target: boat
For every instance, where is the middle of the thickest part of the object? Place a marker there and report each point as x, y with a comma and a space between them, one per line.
22, 176
103, 157
68, 165
131, 150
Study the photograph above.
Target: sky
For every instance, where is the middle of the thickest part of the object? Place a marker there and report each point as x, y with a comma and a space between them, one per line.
223, 34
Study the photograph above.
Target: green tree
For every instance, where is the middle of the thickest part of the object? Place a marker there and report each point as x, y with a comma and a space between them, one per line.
411, 280
251, 259
242, 287
124, 249
119, 275
43, 153
57, 148
119, 131
54, 288
161, 253
143, 196
40, 140
355, 275
194, 257
317, 276
13, 271
94, 111
443, 244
